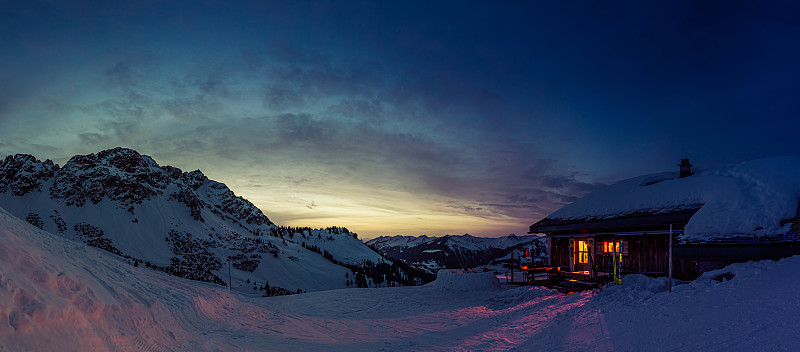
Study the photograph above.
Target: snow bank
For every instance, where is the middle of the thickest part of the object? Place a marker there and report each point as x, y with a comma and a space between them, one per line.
750, 198
452, 280
634, 288
59, 295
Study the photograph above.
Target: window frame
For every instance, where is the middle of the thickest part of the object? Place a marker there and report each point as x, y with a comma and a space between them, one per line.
609, 246
582, 252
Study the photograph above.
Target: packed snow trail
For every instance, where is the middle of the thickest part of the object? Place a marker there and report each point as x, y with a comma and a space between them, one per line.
61, 295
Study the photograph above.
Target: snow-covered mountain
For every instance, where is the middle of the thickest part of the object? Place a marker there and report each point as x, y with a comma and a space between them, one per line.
179, 222
451, 252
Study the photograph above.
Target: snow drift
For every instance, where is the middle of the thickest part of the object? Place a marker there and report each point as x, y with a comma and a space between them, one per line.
452, 280
60, 295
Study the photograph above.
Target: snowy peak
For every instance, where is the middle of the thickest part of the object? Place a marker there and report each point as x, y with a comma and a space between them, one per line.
197, 191
185, 224
23, 173
397, 241
465, 241
194, 179
123, 159
126, 177
449, 252
120, 174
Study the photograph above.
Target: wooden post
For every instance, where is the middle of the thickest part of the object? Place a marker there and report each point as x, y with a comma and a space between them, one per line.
670, 257
571, 254
590, 253
619, 261
229, 275
512, 266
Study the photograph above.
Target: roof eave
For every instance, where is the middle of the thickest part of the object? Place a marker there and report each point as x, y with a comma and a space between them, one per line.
623, 223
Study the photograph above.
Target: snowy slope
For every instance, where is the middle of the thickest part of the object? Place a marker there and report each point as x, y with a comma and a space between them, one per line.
163, 218
454, 252
58, 295
339, 242
751, 198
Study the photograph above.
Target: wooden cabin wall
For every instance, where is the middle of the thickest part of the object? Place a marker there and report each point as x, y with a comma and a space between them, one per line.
559, 251
601, 260
649, 254
641, 254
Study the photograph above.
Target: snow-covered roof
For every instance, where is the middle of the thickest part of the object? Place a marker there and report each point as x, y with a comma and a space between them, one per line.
755, 197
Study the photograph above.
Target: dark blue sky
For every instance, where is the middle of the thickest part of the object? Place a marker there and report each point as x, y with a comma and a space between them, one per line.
404, 117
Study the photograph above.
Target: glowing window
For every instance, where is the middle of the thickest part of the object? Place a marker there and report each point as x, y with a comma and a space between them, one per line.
611, 246
583, 252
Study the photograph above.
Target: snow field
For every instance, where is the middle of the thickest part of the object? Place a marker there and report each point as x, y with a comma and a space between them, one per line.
59, 295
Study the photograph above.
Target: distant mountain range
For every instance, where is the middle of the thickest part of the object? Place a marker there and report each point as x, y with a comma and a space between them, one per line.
185, 224
453, 252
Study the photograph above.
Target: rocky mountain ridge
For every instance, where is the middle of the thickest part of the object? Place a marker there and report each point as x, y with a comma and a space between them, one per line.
125, 176
182, 223
452, 252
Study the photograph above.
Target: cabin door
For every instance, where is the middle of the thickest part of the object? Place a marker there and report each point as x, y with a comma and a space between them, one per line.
581, 254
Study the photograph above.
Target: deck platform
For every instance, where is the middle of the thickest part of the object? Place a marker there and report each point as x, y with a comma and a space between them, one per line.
564, 280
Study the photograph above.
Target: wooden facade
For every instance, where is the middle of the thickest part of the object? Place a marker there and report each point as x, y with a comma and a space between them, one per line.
582, 245
589, 243
642, 253
640, 243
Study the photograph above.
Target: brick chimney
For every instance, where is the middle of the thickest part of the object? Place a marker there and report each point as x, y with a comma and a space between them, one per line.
686, 168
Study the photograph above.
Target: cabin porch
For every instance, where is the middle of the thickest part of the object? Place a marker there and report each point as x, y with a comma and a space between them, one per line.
564, 280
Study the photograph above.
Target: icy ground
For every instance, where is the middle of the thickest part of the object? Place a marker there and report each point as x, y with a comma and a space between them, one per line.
57, 295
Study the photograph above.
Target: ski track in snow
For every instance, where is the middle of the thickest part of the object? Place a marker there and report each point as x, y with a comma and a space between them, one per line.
60, 295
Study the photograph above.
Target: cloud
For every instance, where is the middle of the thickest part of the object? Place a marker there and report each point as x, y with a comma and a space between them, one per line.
300, 123
121, 74
284, 52
93, 138
290, 85
8, 96
281, 98
326, 149
131, 69
367, 111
